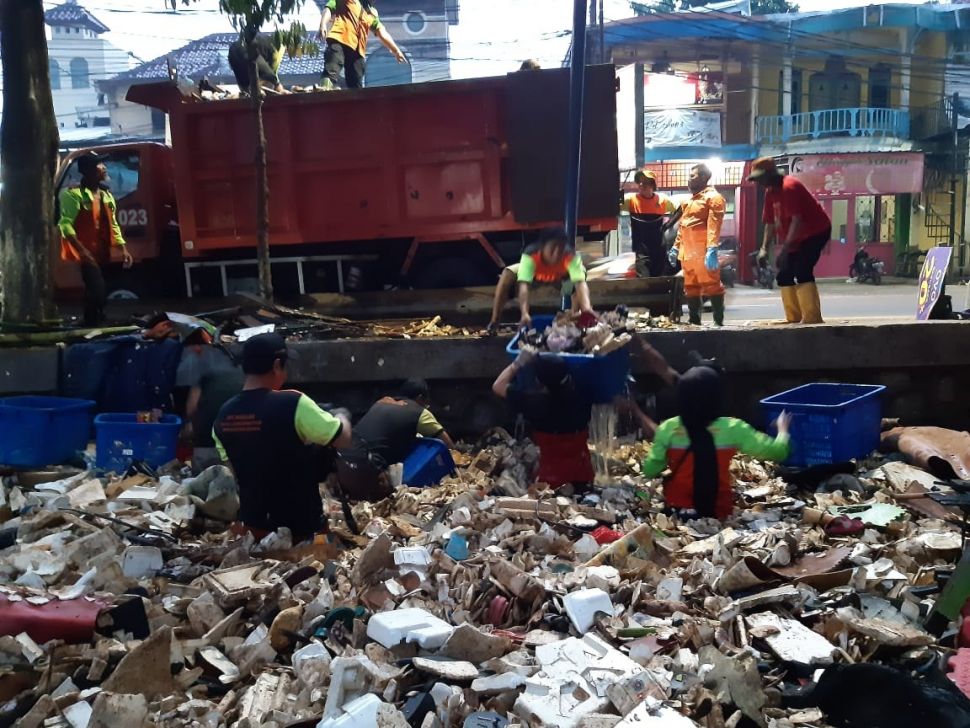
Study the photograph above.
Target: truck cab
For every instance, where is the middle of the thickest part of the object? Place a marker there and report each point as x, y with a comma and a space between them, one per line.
140, 178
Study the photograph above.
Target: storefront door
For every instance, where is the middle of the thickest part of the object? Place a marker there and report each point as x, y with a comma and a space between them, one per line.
858, 220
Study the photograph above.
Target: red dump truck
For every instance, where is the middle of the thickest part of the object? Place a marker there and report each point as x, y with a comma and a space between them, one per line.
433, 185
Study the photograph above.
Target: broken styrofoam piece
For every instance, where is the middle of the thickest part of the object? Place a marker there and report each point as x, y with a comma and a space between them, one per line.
791, 640
140, 562
497, 683
654, 714
78, 714
366, 711
582, 607
415, 556
352, 677
572, 681
449, 670
409, 625
312, 664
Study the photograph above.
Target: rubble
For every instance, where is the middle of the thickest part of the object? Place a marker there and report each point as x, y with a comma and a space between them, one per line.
485, 601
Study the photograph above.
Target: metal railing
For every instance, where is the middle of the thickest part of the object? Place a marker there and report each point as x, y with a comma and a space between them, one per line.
862, 122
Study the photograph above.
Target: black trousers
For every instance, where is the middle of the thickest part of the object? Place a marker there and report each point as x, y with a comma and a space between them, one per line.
337, 56
651, 260
799, 266
95, 293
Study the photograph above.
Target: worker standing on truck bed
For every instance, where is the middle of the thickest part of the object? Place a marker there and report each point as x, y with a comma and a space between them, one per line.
279, 443
697, 245
386, 435
89, 228
353, 20
650, 214
552, 261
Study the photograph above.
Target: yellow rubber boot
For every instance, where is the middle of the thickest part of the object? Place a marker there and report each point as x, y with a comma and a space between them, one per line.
809, 303
789, 299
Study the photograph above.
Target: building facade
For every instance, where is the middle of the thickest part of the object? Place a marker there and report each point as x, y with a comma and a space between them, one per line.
851, 102
79, 58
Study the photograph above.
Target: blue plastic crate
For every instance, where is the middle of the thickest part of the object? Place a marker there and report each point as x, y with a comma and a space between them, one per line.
122, 439
601, 377
428, 463
38, 431
831, 423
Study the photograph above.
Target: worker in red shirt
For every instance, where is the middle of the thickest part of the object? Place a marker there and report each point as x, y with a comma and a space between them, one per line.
89, 229
650, 214
801, 227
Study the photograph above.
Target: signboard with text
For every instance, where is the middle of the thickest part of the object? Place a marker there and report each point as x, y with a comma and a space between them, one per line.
681, 127
931, 279
833, 175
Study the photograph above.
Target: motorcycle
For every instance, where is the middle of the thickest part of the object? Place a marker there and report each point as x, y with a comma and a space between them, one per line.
727, 259
761, 271
866, 269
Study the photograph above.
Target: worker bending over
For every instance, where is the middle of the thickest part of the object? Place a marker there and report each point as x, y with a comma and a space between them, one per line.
346, 39
698, 446
549, 261
386, 435
279, 444
650, 214
802, 229
557, 413
89, 228
269, 56
697, 244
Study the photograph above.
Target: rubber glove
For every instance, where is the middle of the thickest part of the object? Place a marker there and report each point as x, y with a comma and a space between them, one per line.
710, 260
672, 255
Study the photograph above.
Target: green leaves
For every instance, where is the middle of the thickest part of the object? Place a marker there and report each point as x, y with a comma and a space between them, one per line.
249, 16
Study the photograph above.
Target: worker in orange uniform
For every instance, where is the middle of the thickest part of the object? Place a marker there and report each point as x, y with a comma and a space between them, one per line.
353, 20
650, 214
549, 261
794, 219
697, 243
89, 227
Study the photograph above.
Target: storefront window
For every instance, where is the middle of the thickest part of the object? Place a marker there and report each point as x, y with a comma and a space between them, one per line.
866, 228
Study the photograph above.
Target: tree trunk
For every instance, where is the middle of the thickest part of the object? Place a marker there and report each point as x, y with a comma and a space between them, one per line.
28, 148
262, 183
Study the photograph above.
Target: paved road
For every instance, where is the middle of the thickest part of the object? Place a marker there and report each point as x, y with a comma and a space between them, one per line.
840, 301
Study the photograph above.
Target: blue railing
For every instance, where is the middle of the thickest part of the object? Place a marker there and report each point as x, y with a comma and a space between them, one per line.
833, 122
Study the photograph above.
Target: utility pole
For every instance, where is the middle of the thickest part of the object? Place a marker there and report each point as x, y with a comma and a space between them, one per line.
591, 29
953, 176
577, 82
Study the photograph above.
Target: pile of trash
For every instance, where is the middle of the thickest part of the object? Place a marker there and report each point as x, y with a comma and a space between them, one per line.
572, 332
487, 601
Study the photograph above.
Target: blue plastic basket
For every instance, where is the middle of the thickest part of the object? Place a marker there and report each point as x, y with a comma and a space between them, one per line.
122, 439
831, 423
600, 377
38, 431
428, 463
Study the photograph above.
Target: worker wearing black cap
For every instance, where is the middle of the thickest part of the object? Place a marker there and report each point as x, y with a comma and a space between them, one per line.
651, 214
278, 443
557, 413
89, 228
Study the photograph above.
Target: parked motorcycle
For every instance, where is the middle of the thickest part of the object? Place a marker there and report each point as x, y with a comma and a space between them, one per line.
866, 269
727, 259
761, 271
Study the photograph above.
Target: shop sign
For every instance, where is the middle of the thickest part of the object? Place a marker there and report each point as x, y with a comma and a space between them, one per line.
835, 175
682, 127
931, 279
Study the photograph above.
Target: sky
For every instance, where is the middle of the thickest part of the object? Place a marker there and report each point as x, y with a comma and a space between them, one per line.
492, 38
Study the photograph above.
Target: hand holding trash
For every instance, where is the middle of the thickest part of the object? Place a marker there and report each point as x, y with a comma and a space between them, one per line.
710, 260
783, 423
527, 355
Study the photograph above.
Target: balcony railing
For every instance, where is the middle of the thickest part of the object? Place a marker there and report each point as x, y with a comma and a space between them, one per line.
833, 122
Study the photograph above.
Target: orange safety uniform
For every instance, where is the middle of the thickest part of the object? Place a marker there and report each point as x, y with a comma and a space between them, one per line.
700, 229
90, 216
352, 24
